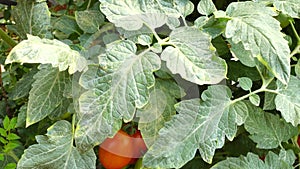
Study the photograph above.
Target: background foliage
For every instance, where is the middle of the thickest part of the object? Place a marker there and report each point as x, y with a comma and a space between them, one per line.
211, 84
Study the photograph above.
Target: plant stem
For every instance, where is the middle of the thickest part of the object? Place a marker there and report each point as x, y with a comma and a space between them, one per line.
13, 155
7, 39
295, 31
262, 89
89, 4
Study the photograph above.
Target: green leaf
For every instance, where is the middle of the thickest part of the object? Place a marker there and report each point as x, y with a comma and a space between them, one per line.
237, 70
21, 122
12, 136
206, 7
12, 123
253, 25
3, 140
255, 99
115, 89
199, 125
56, 150
46, 93
133, 14
32, 18
266, 129
245, 83
10, 146
6, 122
3, 132
269, 99
45, 51
23, 86
66, 25
159, 109
89, 20
284, 160
289, 7
288, 100
11, 166
193, 57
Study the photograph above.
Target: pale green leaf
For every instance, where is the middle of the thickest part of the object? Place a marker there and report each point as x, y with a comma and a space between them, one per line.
131, 14
269, 99
245, 83
199, 125
45, 51
46, 93
23, 86
288, 100
266, 129
253, 25
206, 7
56, 150
32, 18
284, 160
193, 57
289, 7
254, 99
159, 109
115, 89
89, 20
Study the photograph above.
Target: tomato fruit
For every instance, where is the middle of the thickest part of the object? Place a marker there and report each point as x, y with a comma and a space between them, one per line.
298, 141
116, 152
139, 146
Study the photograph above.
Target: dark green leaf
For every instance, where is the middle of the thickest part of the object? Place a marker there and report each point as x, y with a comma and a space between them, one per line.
32, 18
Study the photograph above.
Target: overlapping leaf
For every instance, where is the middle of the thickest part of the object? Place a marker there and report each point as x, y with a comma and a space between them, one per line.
288, 100
89, 20
159, 109
132, 14
252, 24
56, 150
266, 129
46, 93
32, 18
45, 51
206, 7
199, 125
193, 57
284, 160
289, 7
115, 89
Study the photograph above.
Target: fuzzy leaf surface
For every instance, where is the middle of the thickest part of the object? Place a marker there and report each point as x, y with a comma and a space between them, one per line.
45, 51
252, 24
56, 150
193, 57
200, 124
115, 89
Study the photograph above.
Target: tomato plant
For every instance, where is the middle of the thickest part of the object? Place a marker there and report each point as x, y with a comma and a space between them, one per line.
210, 84
116, 152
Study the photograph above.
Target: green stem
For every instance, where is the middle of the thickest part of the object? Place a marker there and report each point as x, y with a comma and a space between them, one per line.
13, 155
296, 50
295, 32
89, 4
7, 39
262, 89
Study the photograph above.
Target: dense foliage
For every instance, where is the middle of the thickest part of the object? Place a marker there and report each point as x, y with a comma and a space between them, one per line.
208, 84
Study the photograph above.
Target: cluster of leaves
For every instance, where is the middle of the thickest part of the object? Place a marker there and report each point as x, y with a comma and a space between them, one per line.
204, 80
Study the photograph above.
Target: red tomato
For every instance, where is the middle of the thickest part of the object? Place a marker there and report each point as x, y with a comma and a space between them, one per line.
298, 141
116, 152
139, 147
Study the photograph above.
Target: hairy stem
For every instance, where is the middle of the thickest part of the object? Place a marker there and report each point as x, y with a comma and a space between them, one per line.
7, 39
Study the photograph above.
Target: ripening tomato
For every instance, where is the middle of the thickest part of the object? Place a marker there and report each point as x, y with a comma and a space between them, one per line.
116, 152
298, 141
139, 146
